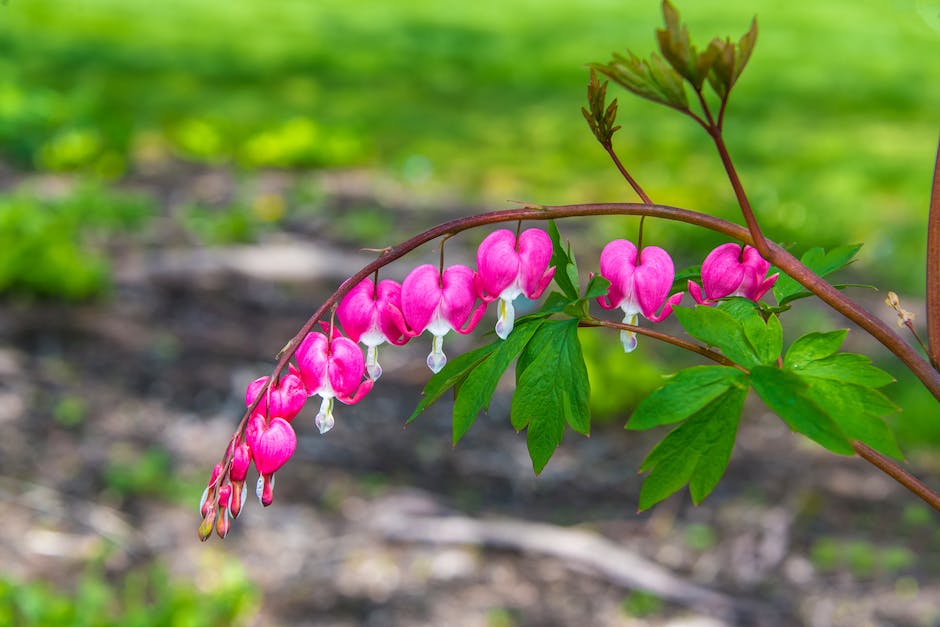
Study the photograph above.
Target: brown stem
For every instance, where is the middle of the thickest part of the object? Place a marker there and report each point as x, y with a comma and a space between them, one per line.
933, 267
899, 474
664, 337
626, 175
760, 242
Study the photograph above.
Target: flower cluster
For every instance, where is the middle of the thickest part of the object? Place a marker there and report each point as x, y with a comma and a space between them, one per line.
330, 364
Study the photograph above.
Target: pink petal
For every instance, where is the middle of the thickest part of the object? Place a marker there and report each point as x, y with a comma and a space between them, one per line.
241, 460
722, 271
459, 297
346, 365
356, 312
311, 360
420, 297
535, 253
272, 446
618, 262
391, 319
497, 263
653, 279
696, 293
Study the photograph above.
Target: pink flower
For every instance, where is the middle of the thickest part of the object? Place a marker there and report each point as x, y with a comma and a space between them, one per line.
507, 269
238, 472
331, 369
272, 444
372, 315
287, 398
639, 284
730, 271
440, 304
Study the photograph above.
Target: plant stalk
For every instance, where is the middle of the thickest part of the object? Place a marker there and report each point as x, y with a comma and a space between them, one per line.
933, 267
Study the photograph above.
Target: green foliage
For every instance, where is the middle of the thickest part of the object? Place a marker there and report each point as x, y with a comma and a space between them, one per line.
552, 389
696, 452
736, 327
146, 597
50, 248
830, 397
642, 604
600, 118
787, 290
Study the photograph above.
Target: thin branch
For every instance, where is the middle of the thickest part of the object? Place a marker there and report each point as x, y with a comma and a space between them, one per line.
899, 474
664, 337
623, 171
760, 242
933, 267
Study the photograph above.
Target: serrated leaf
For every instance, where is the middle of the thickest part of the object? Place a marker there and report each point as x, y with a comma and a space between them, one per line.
566, 270
451, 375
812, 347
696, 452
668, 82
786, 394
478, 386
684, 394
552, 389
718, 328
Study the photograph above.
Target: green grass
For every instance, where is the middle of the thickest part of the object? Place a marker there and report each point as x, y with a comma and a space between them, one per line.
834, 118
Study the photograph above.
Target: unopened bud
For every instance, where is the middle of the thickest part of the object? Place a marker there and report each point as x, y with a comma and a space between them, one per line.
208, 523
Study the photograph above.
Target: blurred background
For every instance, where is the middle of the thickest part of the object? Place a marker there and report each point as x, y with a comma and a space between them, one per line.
184, 182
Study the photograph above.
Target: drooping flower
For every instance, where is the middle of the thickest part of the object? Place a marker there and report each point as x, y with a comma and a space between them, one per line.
639, 284
332, 368
372, 315
287, 398
238, 472
440, 303
730, 271
507, 268
271, 443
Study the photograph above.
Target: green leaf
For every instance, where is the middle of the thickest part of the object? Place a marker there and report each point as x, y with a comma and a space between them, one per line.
477, 388
696, 452
452, 374
764, 338
850, 368
823, 263
786, 394
566, 270
718, 328
684, 394
857, 410
597, 286
552, 389
744, 49
812, 347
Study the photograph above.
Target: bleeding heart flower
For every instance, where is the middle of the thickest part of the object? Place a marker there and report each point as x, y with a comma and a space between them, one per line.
287, 398
639, 284
238, 472
372, 315
332, 369
440, 304
271, 443
507, 268
730, 271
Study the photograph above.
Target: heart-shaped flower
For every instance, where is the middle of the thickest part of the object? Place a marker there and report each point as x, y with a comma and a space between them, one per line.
272, 444
286, 398
331, 368
507, 269
729, 270
639, 284
440, 304
372, 315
